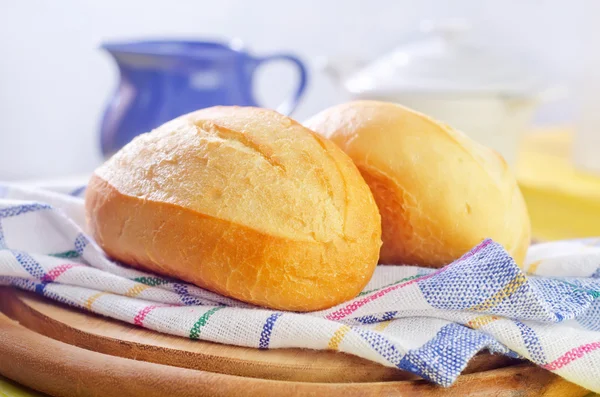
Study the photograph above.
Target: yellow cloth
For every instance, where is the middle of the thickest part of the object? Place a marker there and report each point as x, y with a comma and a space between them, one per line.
563, 202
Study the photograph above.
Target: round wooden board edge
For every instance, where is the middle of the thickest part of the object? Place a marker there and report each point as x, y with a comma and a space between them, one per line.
40, 315
60, 369
532, 373
48, 318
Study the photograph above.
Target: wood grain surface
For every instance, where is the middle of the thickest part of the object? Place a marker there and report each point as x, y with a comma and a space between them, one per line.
64, 352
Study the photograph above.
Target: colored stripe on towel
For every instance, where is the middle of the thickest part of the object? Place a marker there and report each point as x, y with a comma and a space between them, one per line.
65, 254
90, 301
55, 272
141, 315
2, 243
338, 336
265, 335
571, 356
351, 308
22, 209
197, 328
501, 295
389, 285
80, 243
532, 343
136, 290
30, 265
152, 281
481, 321
532, 269
382, 325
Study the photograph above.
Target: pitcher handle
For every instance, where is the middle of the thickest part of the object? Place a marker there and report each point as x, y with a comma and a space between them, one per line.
290, 104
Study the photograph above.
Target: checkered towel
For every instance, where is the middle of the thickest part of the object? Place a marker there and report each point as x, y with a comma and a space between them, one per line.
429, 322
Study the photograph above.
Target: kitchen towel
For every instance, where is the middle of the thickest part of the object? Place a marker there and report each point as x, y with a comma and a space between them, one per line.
429, 322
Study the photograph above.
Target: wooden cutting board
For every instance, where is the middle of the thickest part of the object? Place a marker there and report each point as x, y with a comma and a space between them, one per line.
65, 352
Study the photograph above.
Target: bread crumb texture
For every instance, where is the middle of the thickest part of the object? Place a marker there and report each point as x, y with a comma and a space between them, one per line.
439, 192
241, 201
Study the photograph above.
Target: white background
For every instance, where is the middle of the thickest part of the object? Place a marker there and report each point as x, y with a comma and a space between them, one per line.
54, 80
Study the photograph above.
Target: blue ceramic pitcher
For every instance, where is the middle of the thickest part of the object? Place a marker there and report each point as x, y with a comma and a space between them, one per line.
160, 80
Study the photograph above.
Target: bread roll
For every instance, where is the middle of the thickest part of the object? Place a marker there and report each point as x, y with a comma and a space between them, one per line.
241, 201
439, 193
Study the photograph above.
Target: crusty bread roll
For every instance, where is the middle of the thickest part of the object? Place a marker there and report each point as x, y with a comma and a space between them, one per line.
241, 201
439, 193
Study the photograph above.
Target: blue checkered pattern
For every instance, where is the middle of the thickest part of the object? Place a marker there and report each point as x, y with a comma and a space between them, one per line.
382, 345
451, 348
496, 266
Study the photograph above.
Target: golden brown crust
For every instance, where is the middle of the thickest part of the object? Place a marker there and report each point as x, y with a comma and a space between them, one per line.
439, 193
244, 202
